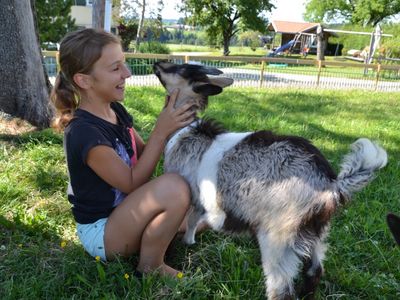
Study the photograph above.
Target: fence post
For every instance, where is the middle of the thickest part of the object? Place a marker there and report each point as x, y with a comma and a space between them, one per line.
186, 59
319, 71
262, 73
57, 62
378, 71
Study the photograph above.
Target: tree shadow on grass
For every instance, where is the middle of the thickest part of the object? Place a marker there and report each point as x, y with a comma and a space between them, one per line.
48, 136
37, 263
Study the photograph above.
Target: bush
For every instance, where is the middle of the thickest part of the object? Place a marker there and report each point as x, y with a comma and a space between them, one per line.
153, 47
391, 47
250, 39
127, 31
140, 66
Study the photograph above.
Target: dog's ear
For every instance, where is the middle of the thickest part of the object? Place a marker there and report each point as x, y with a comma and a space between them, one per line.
394, 226
214, 85
220, 81
206, 89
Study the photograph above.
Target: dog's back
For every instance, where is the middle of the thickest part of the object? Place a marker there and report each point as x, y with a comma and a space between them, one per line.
275, 182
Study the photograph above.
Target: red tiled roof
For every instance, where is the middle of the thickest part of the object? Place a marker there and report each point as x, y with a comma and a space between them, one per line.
291, 27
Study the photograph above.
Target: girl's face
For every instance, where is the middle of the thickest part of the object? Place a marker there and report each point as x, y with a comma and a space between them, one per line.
109, 74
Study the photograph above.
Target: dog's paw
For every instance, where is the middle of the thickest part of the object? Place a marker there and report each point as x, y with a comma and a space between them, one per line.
216, 219
188, 239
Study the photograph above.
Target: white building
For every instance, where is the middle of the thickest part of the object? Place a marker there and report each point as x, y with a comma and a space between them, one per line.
81, 11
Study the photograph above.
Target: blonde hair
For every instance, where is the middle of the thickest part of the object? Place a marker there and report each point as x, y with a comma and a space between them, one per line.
79, 51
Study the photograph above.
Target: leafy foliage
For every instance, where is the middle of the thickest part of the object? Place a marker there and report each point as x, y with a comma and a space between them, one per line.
224, 18
54, 19
153, 47
127, 30
250, 39
363, 12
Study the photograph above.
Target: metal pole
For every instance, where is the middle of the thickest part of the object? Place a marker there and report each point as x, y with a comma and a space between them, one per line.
107, 15
262, 73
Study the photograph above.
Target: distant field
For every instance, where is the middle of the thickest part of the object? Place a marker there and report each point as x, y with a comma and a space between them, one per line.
213, 51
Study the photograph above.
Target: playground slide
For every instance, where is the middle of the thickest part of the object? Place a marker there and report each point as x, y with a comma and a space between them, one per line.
282, 48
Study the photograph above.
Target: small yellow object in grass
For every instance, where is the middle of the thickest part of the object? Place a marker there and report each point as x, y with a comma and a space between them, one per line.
19, 245
97, 258
63, 244
179, 275
126, 276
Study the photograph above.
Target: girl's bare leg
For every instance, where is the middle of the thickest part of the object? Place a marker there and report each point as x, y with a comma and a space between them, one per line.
146, 222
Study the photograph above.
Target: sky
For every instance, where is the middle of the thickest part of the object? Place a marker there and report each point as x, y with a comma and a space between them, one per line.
286, 10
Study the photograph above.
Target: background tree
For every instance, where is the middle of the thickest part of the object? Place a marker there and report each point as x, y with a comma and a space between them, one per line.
250, 39
142, 5
24, 86
127, 30
54, 20
98, 10
224, 18
362, 12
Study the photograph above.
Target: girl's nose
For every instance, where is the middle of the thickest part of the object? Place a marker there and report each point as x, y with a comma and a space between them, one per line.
127, 71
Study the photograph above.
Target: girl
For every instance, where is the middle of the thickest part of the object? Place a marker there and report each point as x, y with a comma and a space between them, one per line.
118, 209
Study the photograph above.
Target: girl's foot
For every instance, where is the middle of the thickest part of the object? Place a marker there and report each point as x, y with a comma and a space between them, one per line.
164, 270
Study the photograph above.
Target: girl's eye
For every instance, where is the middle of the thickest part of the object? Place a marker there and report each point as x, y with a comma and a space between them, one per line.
116, 69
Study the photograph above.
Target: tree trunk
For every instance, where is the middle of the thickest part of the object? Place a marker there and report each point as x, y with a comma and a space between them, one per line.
321, 43
227, 40
140, 28
98, 11
24, 86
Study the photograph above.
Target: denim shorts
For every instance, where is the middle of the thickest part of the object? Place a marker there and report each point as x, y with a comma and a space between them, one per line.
92, 237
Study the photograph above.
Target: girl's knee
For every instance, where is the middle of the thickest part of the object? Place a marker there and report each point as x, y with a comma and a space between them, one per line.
177, 188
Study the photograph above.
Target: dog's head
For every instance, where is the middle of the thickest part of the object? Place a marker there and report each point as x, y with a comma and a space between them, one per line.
195, 82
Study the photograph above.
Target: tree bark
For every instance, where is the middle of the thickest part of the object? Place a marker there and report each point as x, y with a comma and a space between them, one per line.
24, 86
140, 28
98, 11
226, 46
321, 43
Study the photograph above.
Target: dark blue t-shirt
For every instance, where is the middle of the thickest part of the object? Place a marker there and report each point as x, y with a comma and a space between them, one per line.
91, 197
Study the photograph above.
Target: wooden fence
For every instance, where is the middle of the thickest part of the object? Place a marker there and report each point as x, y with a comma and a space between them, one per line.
267, 71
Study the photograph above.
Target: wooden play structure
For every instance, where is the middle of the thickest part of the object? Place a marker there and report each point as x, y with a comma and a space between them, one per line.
366, 55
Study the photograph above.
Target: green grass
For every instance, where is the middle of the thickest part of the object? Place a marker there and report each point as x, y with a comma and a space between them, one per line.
362, 261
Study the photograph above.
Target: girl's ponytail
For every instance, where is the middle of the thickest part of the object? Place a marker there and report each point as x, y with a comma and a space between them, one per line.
65, 98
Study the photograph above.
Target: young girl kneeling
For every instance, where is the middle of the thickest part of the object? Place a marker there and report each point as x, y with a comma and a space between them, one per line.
118, 209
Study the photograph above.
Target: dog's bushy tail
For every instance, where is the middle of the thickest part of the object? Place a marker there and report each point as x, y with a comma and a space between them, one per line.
358, 167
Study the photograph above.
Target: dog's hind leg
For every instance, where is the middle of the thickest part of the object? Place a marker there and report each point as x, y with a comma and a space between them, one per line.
280, 265
194, 219
394, 226
312, 271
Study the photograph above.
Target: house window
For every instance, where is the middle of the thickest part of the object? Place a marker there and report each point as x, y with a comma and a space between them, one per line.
80, 2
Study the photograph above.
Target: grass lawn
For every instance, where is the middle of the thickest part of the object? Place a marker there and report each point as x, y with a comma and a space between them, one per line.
41, 258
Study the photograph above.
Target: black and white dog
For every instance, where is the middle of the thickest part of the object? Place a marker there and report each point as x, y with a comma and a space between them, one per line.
280, 188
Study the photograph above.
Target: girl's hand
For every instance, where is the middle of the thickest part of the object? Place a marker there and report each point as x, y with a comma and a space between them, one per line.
171, 119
